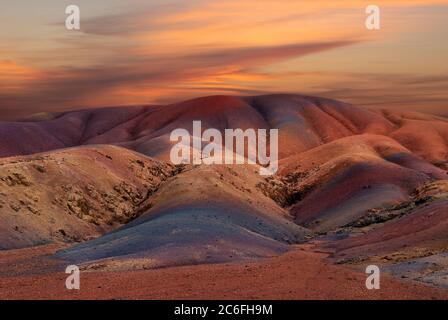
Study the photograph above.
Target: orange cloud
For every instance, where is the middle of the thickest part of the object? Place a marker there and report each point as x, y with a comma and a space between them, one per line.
14, 77
183, 49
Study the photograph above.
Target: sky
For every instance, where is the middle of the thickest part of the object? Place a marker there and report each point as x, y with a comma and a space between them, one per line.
163, 51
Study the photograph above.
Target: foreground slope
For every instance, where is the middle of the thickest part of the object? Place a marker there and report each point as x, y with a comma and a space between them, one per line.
355, 176
74, 194
169, 215
205, 215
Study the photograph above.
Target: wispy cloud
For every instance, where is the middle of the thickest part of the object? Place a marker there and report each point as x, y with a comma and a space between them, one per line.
100, 84
169, 50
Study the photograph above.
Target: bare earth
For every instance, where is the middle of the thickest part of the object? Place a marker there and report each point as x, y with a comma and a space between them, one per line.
95, 188
299, 274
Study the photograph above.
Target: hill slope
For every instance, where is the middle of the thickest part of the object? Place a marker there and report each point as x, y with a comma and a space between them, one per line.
344, 171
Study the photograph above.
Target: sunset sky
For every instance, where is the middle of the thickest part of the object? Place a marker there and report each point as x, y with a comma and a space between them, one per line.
162, 51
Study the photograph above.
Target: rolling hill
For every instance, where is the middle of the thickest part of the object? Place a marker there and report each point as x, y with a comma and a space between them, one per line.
368, 185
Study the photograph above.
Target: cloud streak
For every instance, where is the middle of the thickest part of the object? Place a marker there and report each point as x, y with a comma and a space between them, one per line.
167, 51
65, 87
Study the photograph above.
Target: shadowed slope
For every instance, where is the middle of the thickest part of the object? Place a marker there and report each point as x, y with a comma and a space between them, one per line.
425, 228
420, 227
74, 194
205, 215
336, 183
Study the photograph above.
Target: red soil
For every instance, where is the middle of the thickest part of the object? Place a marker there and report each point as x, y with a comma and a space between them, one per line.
299, 274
